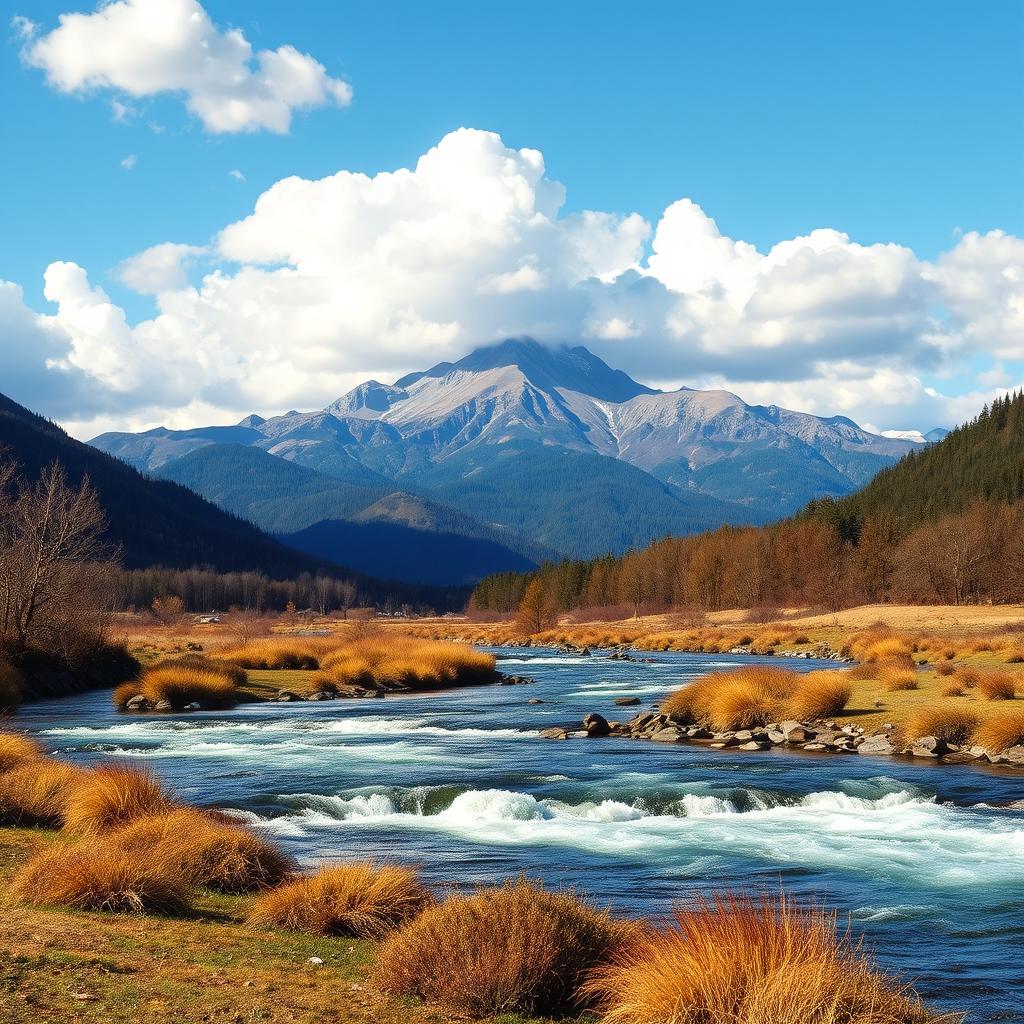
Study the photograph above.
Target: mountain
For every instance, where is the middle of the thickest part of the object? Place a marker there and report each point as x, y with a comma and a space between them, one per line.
983, 460
554, 444
373, 528
155, 522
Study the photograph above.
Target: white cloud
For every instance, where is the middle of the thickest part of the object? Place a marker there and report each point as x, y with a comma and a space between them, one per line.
331, 280
161, 268
143, 48
237, 175
129, 162
24, 28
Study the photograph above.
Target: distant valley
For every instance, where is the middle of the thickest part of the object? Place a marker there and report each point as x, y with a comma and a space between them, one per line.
516, 454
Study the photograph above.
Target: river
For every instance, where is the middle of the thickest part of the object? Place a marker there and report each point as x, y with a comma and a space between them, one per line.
922, 857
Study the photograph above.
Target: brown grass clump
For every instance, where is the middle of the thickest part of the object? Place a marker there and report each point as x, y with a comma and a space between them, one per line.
362, 900
279, 653
819, 695
16, 749
36, 793
944, 668
953, 690
1014, 656
111, 797
512, 949
12, 685
193, 679
404, 663
99, 878
205, 850
1000, 732
997, 686
124, 693
967, 677
741, 699
900, 679
735, 960
951, 725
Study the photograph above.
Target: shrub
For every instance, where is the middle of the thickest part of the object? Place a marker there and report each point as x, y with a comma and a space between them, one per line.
1015, 656
741, 699
206, 849
404, 663
952, 725
124, 693
361, 899
819, 695
900, 679
734, 960
997, 686
111, 797
36, 793
99, 878
1000, 732
213, 684
944, 668
16, 749
513, 949
12, 685
953, 690
967, 677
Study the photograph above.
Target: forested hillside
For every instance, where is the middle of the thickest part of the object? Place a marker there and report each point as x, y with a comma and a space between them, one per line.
983, 460
944, 525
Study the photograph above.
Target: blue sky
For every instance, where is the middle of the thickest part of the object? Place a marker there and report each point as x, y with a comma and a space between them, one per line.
889, 122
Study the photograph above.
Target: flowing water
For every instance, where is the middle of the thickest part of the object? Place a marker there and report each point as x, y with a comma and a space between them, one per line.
926, 859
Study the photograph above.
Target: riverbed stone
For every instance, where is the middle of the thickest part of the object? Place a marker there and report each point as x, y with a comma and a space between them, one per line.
667, 735
139, 703
753, 745
554, 733
626, 702
596, 725
796, 732
876, 744
163, 705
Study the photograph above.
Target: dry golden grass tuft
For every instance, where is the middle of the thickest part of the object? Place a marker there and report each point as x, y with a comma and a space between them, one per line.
954, 690
111, 797
952, 725
402, 662
997, 733
895, 680
279, 653
36, 793
737, 960
12, 685
182, 681
513, 949
99, 878
944, 668
206, 849
362, 900
16, 749
821, 694
997, 686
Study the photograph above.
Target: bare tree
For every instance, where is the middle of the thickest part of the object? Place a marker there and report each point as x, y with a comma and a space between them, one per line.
244, 624
54, 564
168, 610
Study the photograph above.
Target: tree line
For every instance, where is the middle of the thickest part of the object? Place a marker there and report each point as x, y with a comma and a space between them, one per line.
941, 526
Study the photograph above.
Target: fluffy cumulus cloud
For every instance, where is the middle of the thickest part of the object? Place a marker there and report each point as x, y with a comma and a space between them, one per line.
142, 48
330, 281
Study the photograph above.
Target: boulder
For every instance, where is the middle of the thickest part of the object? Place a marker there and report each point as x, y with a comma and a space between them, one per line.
753, 745
535, 700
1015, 756
667, 735
626, 702
876, 745
287, 695
928, 746
696, 732
796, 732
163, 705
138, 703
554, 733
596, 725
321, 695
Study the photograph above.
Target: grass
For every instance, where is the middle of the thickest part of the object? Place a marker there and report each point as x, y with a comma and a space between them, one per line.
183, 681
951, 725
16, 749
757, 695
739, 960
513, 949
997, 686
403, 663
895, 680
36, 793
279, 653
360, 899
997, 734
206, 849
109, 798
107, 879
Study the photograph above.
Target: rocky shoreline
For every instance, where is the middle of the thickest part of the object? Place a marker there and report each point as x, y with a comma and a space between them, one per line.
826, 737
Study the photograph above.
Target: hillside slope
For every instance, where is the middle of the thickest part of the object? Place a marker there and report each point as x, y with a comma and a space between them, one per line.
983, 460
155, 522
